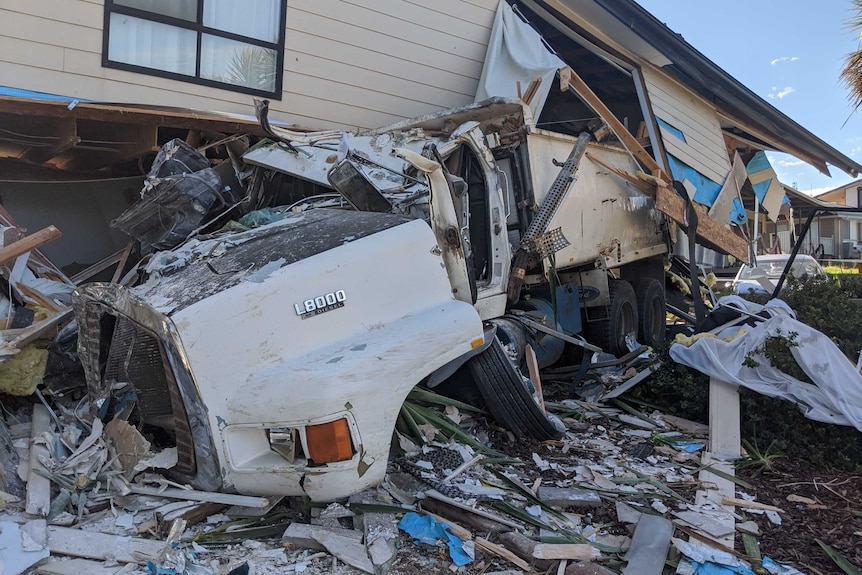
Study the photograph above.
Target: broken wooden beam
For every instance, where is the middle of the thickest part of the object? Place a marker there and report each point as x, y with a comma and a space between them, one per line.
569, 78
716, 234
667, 201
28, 243
501, 552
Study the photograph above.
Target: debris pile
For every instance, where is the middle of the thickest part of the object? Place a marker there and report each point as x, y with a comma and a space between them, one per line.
619, 489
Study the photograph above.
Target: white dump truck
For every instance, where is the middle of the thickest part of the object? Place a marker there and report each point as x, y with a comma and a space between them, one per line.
276, 359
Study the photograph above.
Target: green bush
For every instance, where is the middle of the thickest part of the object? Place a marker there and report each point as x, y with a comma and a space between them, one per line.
822, 303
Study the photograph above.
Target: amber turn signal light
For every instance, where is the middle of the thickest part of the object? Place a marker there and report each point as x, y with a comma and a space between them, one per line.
329, 442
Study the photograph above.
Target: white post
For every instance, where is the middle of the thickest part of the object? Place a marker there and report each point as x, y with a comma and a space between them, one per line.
756, 223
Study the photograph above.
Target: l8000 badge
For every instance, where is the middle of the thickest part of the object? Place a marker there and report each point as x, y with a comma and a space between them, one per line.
320, 304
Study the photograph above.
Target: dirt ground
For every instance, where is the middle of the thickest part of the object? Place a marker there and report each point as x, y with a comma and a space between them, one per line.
835, 517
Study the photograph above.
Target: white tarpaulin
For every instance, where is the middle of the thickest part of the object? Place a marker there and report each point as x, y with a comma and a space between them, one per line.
835, 397
515, 54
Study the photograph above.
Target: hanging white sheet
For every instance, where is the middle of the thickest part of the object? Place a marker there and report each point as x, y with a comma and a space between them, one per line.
836, 395
515, 54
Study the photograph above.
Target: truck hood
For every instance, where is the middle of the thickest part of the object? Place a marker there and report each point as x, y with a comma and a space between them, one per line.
202, 268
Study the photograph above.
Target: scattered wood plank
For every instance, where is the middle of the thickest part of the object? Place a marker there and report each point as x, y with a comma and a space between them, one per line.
454, 528
434, 494
569, 497
532, 88
79, 567
450, 514
97, 267
719, 235
686, 425
502, 552
579, 551
533, 368
629, 141
192, 495
649, 547
640, 184
38, 297
121, 265
38, 498
523, 547
749, 504
28, 243
37, 330
100, 546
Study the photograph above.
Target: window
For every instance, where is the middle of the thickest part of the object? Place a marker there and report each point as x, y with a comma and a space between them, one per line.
222, 43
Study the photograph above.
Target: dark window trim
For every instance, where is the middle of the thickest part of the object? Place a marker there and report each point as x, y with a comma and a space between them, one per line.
200, 30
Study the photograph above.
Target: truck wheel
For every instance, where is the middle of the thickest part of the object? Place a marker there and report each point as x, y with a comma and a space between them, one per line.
610, 333
651, 311
507, 397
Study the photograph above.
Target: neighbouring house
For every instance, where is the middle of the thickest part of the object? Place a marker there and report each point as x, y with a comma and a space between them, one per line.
92, 89
840, 232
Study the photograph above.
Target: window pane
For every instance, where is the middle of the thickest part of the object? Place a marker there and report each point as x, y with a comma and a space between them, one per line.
185, 9
237, 63
152, 45
253, 18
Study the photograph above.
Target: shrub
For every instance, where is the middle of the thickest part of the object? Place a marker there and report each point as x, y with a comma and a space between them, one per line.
822, 303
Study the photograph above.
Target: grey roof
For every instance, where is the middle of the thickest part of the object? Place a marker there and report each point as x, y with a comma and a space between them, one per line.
708, 79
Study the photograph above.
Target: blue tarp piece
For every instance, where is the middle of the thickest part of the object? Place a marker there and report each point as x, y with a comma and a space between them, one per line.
688, 446
427, 530
707, 190
19, 93
758, 163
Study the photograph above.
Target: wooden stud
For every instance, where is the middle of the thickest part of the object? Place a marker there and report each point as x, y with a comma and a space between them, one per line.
38, 297
501, 552
533, 368
617, 127
28, 243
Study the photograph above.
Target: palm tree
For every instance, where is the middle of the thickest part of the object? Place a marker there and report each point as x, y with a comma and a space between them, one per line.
851, 75
254, 67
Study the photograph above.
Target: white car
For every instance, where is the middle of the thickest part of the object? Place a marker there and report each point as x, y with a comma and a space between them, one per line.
768, 270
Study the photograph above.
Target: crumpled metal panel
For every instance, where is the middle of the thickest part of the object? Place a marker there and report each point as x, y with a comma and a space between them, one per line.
91, 303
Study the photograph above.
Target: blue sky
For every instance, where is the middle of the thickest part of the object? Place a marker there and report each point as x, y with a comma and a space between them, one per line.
789, 52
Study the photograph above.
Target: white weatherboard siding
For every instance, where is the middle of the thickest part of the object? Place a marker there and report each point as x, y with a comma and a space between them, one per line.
348, 63
703, 148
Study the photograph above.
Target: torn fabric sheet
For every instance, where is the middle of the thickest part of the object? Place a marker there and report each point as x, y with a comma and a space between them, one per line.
516, 53
835, 397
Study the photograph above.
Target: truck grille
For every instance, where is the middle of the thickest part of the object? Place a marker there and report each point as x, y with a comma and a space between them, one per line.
136, 357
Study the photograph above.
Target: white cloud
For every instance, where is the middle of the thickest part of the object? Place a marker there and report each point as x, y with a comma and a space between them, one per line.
855, 150
776, 93
788, 163
783, 59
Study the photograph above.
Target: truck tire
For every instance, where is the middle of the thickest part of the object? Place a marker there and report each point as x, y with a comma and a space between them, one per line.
507, 397
610, 333
651, 312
